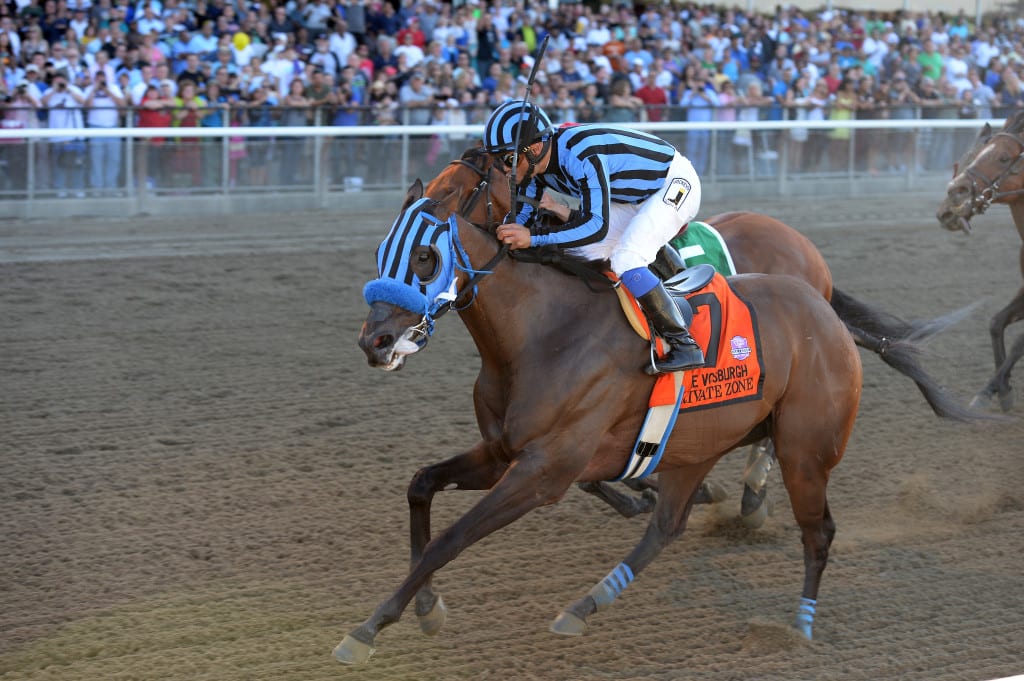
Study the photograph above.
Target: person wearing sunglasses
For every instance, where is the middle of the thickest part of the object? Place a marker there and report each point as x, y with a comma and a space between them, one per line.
636, 192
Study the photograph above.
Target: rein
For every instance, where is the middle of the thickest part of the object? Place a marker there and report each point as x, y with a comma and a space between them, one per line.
985, 191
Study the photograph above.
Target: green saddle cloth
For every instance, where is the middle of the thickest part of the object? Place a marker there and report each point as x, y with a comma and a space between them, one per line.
702, 244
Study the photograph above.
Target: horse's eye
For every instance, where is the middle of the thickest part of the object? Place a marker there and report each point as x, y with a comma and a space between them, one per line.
425, 263
1004, 158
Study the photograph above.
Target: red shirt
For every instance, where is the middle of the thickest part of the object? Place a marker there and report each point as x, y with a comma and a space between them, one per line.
655, 99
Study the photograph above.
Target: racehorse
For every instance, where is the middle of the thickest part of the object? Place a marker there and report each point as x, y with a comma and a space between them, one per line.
560, 398
992, 171
757, 243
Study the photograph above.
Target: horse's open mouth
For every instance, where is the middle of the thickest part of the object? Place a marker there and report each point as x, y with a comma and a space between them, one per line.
951, 219
401, 349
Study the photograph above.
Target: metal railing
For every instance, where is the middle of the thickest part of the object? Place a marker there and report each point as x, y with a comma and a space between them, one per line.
322, 165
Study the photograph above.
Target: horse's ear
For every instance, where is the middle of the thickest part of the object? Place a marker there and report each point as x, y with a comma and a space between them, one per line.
986, 132
414, 194
453, 197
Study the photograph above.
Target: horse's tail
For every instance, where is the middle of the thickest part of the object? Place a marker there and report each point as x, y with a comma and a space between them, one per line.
898, 342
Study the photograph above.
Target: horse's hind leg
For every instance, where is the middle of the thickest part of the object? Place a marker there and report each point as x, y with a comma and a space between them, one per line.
676, 491
805, 460
754, 508
472, 470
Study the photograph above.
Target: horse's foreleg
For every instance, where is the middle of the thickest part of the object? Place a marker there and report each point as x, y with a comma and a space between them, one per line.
531, 482
676, 492
475, 469
999, 384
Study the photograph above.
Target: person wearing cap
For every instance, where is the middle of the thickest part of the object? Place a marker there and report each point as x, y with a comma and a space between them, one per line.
635, 193
31, 81
322, 57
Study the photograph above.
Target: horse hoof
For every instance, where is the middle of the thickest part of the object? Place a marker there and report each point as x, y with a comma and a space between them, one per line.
753, 516
710, 493
431, 622
1006, 401
568, 624
351, 651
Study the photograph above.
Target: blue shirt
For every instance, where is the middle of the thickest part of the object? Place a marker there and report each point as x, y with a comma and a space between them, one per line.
597, 163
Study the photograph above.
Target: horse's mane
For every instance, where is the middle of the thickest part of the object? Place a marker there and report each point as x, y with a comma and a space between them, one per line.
475, 154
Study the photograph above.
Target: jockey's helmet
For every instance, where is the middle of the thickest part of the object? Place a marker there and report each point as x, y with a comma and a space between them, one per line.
504, 123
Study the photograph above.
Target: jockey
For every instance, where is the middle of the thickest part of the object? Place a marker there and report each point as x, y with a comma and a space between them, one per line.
635, 191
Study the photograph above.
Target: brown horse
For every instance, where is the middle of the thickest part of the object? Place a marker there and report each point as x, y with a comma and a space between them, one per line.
560, 398
757, 243
992, 171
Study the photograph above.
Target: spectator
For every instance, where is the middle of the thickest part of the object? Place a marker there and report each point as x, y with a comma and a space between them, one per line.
655, 98
699, 100
297, 112
19, 113
63, 102
341, 41
902, 103
726, 112
844, 108
983, 96
104, 101
187, 153
1011, 99
623, 106
217, 114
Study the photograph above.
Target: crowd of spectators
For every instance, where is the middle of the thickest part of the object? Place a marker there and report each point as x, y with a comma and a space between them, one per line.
182, 63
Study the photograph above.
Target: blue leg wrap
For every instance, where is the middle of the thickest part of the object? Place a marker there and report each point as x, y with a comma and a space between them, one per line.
639, 280
608, 589
805, 617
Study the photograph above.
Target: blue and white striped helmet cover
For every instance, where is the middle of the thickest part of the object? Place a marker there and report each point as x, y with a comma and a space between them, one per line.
503, 123
398, 284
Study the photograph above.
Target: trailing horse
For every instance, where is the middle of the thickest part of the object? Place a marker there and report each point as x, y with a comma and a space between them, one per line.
560, 398
992, 171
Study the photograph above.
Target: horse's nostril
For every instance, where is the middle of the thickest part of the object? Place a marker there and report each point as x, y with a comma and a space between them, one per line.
384, 340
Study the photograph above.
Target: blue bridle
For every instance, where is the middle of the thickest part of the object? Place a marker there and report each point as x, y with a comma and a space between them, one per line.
400, 286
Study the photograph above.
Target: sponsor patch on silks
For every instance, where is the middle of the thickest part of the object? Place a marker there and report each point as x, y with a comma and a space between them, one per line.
725, 327
677, 192
701, 244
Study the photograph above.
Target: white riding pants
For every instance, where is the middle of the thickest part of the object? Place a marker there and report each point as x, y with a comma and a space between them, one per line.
636, 231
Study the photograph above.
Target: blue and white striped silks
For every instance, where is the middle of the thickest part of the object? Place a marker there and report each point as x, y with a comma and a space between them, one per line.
398, 284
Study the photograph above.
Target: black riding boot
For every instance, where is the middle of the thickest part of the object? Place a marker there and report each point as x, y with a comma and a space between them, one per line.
668, 263
668, 322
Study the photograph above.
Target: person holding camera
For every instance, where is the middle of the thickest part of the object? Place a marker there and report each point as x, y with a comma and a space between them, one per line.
103, 100
64, 102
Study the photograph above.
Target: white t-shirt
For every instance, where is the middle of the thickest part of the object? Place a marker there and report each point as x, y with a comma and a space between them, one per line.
103, 113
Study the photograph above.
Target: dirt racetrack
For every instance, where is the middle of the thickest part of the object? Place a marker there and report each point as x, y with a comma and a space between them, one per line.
202, 479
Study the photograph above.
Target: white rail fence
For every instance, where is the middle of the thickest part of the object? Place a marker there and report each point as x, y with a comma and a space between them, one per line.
42, 172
